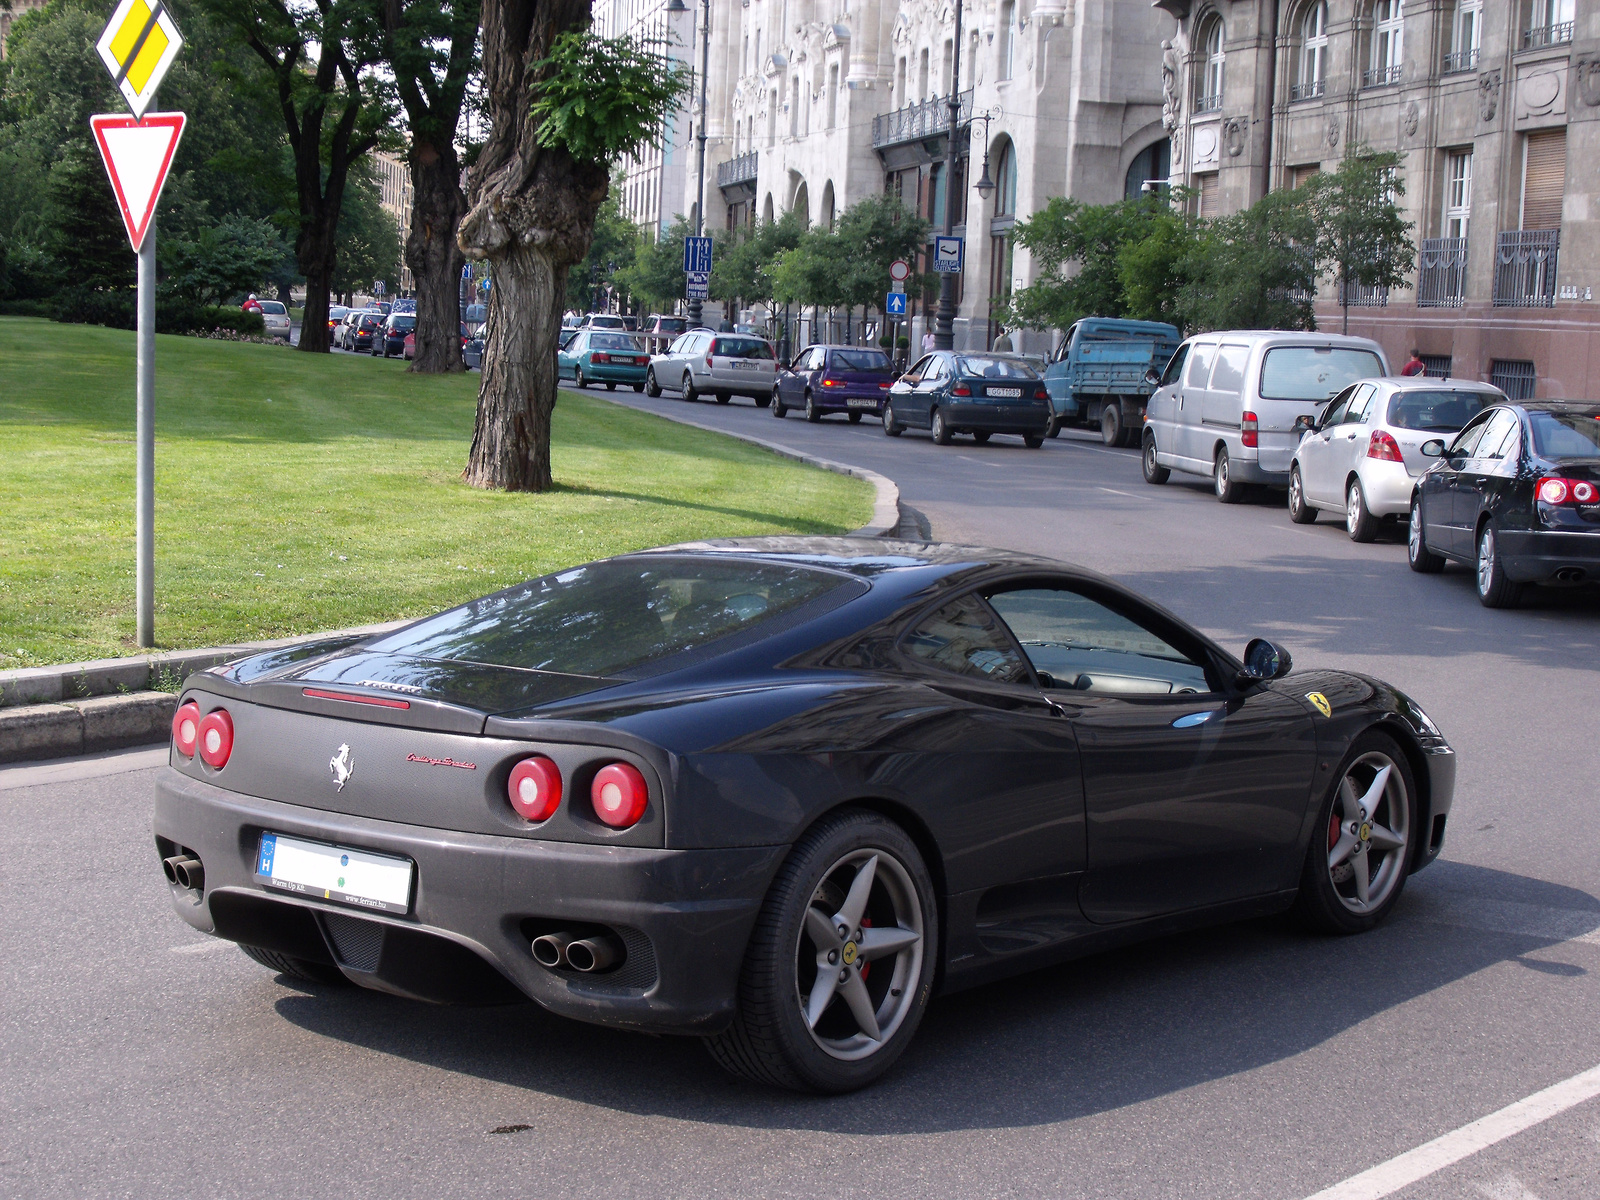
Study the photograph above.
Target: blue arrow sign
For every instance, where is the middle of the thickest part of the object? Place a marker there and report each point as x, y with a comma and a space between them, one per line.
895, 306
697, 255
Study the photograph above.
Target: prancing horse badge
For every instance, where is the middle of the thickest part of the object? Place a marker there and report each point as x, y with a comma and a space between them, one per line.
1321, 702
342, 767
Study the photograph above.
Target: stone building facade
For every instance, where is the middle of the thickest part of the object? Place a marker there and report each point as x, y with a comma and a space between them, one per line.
9, 15
815, 104
1493, 106
393, 175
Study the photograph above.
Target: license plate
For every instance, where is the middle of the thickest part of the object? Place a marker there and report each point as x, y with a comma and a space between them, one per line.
743, 366
863, 404
336, 873
1015, 392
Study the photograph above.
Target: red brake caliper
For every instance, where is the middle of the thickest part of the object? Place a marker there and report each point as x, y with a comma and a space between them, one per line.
1333, 831
866, 967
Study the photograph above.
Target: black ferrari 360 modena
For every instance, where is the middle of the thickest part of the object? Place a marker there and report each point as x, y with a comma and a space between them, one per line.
777, 793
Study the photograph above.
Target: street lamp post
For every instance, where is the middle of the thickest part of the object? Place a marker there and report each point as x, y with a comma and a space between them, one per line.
677, 6
944, 320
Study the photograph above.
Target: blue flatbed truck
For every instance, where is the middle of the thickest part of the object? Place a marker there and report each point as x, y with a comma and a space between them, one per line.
1098, 375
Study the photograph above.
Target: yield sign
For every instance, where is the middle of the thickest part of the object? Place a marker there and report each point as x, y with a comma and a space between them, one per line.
137, 155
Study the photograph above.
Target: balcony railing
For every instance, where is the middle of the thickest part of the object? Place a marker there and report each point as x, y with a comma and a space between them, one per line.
1359, 295
1458, 61
1380, 77
1555, 34
1442, 277
1525, 268
738, 170
1208, 104
915, 122
1307, 91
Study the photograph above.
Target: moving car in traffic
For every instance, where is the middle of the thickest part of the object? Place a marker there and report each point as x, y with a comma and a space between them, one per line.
948, 393
827, 379
773, 792
275, 316
1228, 403
1103, 372
1515, 496
721, 365
1362, 454
391, 336
600, 356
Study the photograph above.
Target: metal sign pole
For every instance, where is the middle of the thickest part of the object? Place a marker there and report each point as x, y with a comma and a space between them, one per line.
145, 436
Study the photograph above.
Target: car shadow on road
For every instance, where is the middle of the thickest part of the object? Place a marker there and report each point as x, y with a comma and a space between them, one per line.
1070, 1041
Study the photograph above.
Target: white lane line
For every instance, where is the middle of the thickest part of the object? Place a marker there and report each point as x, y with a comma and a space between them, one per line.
1387, 1178
1114, 492
205, 947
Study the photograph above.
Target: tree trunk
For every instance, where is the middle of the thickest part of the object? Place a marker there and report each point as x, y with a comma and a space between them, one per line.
532, 218
314, 251
435, 257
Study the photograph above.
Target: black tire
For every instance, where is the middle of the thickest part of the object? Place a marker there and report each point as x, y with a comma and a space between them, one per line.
769, 1040
688, 393
1422, 560
724, 397
1495, 589
941, 431
813, 413
762, 401
1152, 470
981, 436
1033, 440
1111, 427
294, 968
1054, 428
1359, 523
891, 427
651, 387
1320, 905
1227, 491
1300, 512
779, 408
638, 387
578, 381
611, 387
853, 417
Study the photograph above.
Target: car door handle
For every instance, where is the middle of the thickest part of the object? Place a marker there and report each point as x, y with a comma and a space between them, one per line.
1190, 720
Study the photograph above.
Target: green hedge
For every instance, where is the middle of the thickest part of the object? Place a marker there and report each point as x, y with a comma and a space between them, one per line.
80, 306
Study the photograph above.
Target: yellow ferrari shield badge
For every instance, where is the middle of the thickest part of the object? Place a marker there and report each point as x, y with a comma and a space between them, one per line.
1321, 702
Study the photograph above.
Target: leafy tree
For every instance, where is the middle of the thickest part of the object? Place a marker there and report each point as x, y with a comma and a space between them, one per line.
369, 241
563, 105
1361, 237
1078, 249
611, 253
1254, 269
236, 255
745, 265
872, 234
430, 46
1152, 268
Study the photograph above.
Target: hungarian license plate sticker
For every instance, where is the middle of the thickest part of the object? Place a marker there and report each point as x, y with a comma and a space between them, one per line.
336, 873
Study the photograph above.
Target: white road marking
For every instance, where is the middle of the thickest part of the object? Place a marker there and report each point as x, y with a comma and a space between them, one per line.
1403, 1170
1114, 492
205, 947
89, 766
1507, 1187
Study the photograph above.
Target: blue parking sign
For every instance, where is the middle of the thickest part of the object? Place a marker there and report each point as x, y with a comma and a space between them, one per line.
947, 254
895, 306
697, 255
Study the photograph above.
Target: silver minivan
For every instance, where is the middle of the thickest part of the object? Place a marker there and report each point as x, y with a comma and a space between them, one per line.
722, 365
1227, 404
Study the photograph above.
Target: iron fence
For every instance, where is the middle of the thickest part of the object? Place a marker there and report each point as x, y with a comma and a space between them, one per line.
1515, 378
738, 170
1208, 104
1525, 268
1554, 34
915, 122
1460, 60
1361, 295
1307, 91
1380, 77
1442, 274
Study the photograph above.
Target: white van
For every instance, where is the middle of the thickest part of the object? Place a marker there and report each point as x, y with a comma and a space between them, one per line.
1227, 403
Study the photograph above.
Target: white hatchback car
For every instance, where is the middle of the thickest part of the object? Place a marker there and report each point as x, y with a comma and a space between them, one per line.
276, 318
1362, 454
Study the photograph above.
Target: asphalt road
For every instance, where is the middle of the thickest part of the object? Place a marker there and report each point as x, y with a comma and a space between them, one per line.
143, 1059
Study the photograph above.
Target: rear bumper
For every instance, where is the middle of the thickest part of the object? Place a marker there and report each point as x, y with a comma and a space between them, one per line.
1249, 470
741, 383
1537, 556
998, 418
849, 402
1386, 487
615, 372
685, 915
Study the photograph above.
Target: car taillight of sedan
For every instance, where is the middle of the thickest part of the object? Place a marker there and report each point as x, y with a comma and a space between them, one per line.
600, 356
1553, 489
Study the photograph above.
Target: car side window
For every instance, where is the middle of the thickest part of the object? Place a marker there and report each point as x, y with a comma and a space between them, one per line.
1229, 373
1467, 440
963, 637
1076, 642
819, 359
1199, 366
1499, 435
1360, 402
1175, 366
1336, 409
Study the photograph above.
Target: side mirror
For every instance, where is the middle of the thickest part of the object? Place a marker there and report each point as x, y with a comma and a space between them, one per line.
1264, 660
1152, 378
1433, 447
1304, 425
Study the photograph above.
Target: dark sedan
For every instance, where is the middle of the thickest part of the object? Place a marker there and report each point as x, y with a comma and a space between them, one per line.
361, 333
1516, 496
774, 792
948, 392
391, 336
831, 379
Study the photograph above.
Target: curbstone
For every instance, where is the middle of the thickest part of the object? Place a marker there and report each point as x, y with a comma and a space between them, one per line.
112, 722
40, 731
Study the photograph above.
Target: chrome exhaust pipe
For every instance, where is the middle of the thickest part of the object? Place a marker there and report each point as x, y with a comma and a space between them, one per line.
185, 870
550, 949
596, 953
1570, 575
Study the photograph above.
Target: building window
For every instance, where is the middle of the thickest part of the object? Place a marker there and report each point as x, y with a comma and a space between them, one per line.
833, 95
1149, 170
1466, 37
1313, 62
772, 116
1211, 74
1436, 366
898, 100
1513, 377
947, 67
1300, 176
1005, 39
922, 75
1547, 23
794, 106
1457, 193
1544, 178
1387, 44
1208, 194
1005, 181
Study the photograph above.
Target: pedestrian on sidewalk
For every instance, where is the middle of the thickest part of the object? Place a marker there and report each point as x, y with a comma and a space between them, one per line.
1416, 366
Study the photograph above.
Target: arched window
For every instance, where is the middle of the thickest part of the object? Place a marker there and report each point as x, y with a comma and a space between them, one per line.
1313, 64
1151, 167
826, 215
1005, 180
1387, 44
1211, 75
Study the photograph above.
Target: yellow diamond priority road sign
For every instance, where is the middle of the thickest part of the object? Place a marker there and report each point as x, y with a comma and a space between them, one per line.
137, 47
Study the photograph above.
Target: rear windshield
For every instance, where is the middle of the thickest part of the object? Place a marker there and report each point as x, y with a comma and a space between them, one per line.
994, 368
612, 341
275, 307
1310, 373
672, 324
610, 618
402, 323
1565, 435
741, 348
338, 314
371, 321
1436, 412
600, 321
861, 360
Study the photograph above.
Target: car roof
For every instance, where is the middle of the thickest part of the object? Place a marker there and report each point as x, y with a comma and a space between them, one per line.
833, 346
1429, 383
1582, 408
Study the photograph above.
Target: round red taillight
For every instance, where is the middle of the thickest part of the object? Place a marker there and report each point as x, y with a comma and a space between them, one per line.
1584, 493
186, 728
1553, 491
535, 789
619, 794
216, 738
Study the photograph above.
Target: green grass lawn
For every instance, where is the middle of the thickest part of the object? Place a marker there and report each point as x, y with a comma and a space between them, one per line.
303, 492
